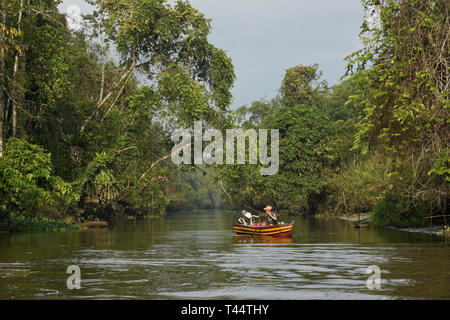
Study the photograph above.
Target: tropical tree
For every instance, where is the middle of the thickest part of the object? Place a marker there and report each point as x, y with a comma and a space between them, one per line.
404, 64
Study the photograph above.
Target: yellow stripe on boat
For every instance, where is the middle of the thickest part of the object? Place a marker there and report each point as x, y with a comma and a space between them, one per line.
266, 231
262, 230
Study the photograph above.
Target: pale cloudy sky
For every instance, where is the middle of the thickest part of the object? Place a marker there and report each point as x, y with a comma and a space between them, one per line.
265, 37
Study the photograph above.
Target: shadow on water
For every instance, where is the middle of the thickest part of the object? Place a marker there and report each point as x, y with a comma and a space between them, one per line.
197, 255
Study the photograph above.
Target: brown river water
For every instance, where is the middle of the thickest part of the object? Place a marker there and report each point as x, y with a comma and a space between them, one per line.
196, 255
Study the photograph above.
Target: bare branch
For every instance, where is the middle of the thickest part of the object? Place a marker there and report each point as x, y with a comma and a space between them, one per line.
225, 191
102, 102
175, 151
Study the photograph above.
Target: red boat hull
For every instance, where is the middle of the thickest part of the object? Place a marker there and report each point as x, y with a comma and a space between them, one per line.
280, 230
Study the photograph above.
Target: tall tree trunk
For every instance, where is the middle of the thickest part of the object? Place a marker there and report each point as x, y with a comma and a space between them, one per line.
16, 65
105, 98
102, 44
2, 81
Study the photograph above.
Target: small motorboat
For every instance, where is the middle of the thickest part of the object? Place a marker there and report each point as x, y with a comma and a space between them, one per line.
247, 225
279, 230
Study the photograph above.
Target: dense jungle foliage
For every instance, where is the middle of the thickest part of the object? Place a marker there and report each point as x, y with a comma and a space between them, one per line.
376, 142
86, 116
84, 131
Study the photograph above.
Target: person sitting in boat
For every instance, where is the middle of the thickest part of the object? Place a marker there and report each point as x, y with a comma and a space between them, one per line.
271, 216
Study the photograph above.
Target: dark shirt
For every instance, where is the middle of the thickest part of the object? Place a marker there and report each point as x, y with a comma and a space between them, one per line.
272, 221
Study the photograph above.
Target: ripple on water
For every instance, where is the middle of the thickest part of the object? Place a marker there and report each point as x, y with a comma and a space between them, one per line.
196, 259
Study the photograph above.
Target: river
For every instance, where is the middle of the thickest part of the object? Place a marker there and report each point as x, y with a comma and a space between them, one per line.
196, 255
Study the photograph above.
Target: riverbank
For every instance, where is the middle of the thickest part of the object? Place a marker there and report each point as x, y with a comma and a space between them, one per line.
93, 224
23, 224
19, 224
355, 217
436, 230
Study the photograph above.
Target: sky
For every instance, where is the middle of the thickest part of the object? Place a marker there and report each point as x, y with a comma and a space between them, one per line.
266, 37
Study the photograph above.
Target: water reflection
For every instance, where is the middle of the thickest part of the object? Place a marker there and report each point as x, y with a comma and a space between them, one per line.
241, 239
